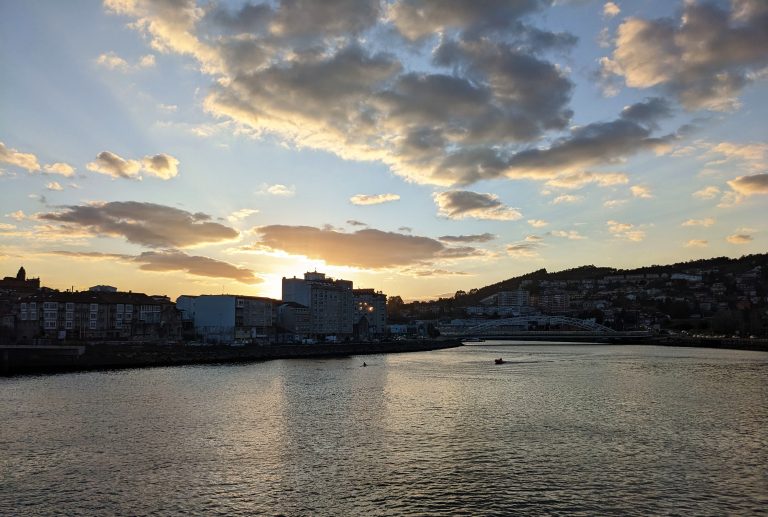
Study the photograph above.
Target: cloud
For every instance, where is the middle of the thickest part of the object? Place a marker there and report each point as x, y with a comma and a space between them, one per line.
697, 243
280, 190
62, 169
406, 229
483, 237
749, 156
537, 223
462, 204
613, 203
241, 214
566, 198
173, 260
113, 165
523, 250
739, 238
353, 222
593, 144
459, 107
626, 231
112, 61
431, 272
641, 191
750, 185
18, 215
160, 165
418, 19
610, 9
377, 199
570, 234
709, 192
577, 180
367, 248
648, 112
147, 61
54, 185
705, 58
147, 224
23, 160
729, 199
706, 222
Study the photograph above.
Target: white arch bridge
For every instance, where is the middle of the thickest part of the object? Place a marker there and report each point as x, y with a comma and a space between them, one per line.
525, 324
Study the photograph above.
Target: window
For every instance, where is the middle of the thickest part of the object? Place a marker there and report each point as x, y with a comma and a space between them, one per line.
70, 306
50, 305
23, 307
128, 307
94, 307
94, 316
50, 315
119, 316
50, 324
120, 308
69, 316
68, 325
92, 324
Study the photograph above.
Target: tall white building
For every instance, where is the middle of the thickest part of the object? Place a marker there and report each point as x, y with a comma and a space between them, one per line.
330, 303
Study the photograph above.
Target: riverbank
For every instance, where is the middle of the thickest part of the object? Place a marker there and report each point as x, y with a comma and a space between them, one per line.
35, 360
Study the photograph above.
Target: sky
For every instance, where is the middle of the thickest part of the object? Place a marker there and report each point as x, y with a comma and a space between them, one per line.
418, 147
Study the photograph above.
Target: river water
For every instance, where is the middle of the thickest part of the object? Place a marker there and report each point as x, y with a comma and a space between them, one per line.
557, 429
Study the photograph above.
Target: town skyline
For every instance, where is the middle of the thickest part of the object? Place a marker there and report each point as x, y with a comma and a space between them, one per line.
414, 148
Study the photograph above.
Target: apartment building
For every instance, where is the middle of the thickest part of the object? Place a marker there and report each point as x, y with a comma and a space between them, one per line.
371, 305
93, 316
330, 303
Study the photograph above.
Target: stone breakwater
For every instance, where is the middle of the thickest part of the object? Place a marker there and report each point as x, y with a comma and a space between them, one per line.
33, 360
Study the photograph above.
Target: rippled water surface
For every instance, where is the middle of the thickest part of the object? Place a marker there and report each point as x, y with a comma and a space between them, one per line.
568, 429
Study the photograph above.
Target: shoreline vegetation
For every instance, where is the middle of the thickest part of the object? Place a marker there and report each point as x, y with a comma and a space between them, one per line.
31, 360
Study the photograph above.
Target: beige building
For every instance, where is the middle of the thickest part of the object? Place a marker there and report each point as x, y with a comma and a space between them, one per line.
330, 303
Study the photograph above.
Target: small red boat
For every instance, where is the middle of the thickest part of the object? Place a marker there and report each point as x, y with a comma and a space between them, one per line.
499, 361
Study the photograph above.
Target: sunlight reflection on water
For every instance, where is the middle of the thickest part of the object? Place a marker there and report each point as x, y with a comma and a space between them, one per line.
589, 429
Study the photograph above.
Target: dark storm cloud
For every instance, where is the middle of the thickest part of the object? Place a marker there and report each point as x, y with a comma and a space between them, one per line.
148, 224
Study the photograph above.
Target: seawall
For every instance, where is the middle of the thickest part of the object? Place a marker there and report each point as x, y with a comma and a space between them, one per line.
34, 360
